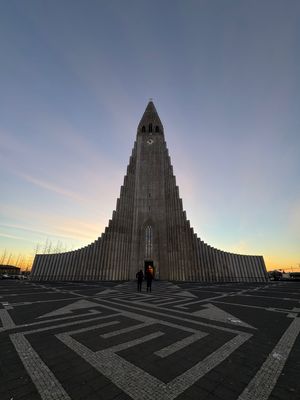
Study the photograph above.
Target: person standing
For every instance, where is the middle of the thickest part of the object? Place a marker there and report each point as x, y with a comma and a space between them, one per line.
140, 277
149, 277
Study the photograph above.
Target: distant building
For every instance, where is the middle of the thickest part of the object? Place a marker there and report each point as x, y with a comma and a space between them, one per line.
9, 270
149, 228
280, 275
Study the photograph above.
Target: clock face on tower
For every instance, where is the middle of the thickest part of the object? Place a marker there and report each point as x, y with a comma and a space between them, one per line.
150, 141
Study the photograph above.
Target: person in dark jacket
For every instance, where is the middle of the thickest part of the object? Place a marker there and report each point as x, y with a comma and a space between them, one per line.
140, 277
149, 277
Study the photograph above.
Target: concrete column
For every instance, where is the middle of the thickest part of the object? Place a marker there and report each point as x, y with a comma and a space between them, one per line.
98, 256
70, 272
256, 270
46, 266
49, 261
204, 262
236, 267
210, 263
200, 275
104, 255
186, 267
243, 268
220, 267
43, 266
113, 249
80, 265
214, 253
262, 265
232, 269
87, 263
61, 265
67, 266
39, 266
75, 264
58, 267
195, 258
251, 269
87, 254
179, 264
36, 268
85, 260
169, 224
174, 229
224, 272
228, 267
54, 267
93, 260
117, 246
247, 267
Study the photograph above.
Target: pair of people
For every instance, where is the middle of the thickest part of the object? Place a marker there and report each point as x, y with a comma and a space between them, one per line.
148, 277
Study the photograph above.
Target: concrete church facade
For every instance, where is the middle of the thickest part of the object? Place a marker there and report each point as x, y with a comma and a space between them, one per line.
149, 227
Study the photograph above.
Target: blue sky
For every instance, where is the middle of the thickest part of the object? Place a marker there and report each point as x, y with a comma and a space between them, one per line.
75, 78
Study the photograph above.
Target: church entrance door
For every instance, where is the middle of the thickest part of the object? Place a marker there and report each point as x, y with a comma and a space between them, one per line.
149, 263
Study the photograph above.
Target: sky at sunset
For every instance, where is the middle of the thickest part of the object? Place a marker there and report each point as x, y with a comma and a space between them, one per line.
75, 78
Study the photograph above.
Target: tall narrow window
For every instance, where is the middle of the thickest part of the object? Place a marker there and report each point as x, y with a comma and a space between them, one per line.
143, 128
157, 129
148, 241
150, 127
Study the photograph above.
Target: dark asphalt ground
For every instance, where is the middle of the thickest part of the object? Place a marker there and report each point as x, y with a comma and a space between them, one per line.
181, 341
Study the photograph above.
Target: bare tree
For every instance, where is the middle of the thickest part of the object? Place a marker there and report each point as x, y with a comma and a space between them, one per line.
9, 258
17, 260
3, 256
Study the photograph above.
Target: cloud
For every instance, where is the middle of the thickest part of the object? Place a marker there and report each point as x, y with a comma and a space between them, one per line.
53, 188
14, 237
83, 231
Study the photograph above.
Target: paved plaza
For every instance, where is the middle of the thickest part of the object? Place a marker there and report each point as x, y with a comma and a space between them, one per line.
100, 340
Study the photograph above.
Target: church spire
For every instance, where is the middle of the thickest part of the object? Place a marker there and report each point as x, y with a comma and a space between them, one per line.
150, 121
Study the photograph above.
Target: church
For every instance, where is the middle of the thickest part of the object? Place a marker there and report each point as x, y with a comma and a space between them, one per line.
149, 228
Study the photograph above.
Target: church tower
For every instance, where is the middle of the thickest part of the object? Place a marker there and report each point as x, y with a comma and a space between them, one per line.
149, 227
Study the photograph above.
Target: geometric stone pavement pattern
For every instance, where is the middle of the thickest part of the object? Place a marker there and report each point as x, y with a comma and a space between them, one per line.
104, 340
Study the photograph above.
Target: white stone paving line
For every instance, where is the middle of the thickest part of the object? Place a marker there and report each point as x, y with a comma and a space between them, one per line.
126, 330
139, 384
207, 300
50, 328
91, 328
27, 303
181, 344
171, 302
270, 297
265, 380
285, 311
46, 383
6, 320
